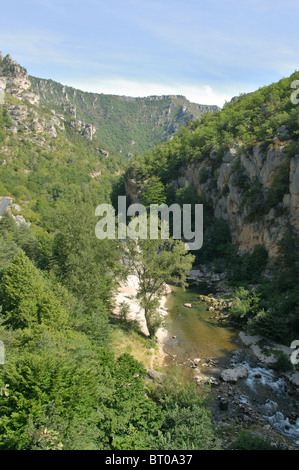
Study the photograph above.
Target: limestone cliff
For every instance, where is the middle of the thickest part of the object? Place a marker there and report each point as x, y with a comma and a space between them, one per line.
27, 112
243, 163
127, 125
253, 220
16, 80
255, 190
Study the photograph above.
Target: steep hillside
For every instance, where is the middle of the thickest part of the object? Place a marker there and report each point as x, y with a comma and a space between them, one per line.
42, 155
64, 384
242, 164
242, 161
127, 125
54, 138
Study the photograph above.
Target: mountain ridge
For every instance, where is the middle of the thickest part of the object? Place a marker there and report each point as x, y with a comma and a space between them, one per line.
129, 125
243, 160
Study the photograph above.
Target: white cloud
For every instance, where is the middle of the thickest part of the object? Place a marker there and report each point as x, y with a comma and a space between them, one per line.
201, 94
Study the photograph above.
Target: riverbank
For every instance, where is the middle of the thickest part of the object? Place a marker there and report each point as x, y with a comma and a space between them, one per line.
265, 351
127, 307
200, 347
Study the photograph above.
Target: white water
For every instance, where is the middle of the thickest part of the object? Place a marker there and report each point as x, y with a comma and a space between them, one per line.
269, 392
196, 336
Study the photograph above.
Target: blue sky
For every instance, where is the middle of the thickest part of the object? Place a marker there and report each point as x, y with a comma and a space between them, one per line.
206, 51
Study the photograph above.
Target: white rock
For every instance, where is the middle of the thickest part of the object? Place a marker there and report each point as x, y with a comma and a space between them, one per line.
233, 375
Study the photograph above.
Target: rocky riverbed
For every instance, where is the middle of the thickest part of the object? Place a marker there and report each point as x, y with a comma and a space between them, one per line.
260, 401
246, 393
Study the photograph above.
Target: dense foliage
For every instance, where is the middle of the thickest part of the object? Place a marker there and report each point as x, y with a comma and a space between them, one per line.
265, 117
126, 125
62, 385
248, 120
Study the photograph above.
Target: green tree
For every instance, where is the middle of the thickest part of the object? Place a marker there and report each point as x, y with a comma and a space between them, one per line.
8, 250
245, 304
153, 192
187, 422
85, 264
37, 380
27, 241
27, 298
7, 224
130, 419
156, 262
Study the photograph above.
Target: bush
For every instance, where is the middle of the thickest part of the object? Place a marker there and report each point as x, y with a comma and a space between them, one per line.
36, 380
283, 363
245, 304
270, 324
187, 422
247, 441
27, 298
256, 262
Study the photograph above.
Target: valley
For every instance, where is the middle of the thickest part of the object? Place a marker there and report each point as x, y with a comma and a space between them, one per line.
109, 344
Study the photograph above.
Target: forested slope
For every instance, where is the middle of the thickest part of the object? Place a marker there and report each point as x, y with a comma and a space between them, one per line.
242, 164
62, 386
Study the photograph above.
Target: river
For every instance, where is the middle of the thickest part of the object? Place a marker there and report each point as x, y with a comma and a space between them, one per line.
195, 334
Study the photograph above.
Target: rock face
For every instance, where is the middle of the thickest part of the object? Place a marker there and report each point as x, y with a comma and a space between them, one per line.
14, 81
19, 219
256, 190
17, 81
87, 130
234, 374
144, 122
224, 191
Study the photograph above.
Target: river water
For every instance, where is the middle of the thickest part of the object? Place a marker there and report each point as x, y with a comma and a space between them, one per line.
195, 333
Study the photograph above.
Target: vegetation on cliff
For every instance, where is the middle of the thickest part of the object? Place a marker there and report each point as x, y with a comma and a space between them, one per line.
257, 122
62, 386
266, 116
126, 125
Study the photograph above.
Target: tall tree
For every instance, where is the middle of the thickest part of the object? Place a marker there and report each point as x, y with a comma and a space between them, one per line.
156, 262
153, 192
27, 298
85, 264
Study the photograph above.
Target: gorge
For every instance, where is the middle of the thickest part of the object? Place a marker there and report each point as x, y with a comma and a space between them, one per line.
64, 317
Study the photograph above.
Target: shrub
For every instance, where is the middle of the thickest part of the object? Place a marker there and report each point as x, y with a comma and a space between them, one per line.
245, 304
270, 324
246, 441
283, 362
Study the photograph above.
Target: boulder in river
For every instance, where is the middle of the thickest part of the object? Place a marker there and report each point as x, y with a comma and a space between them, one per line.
234, 374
